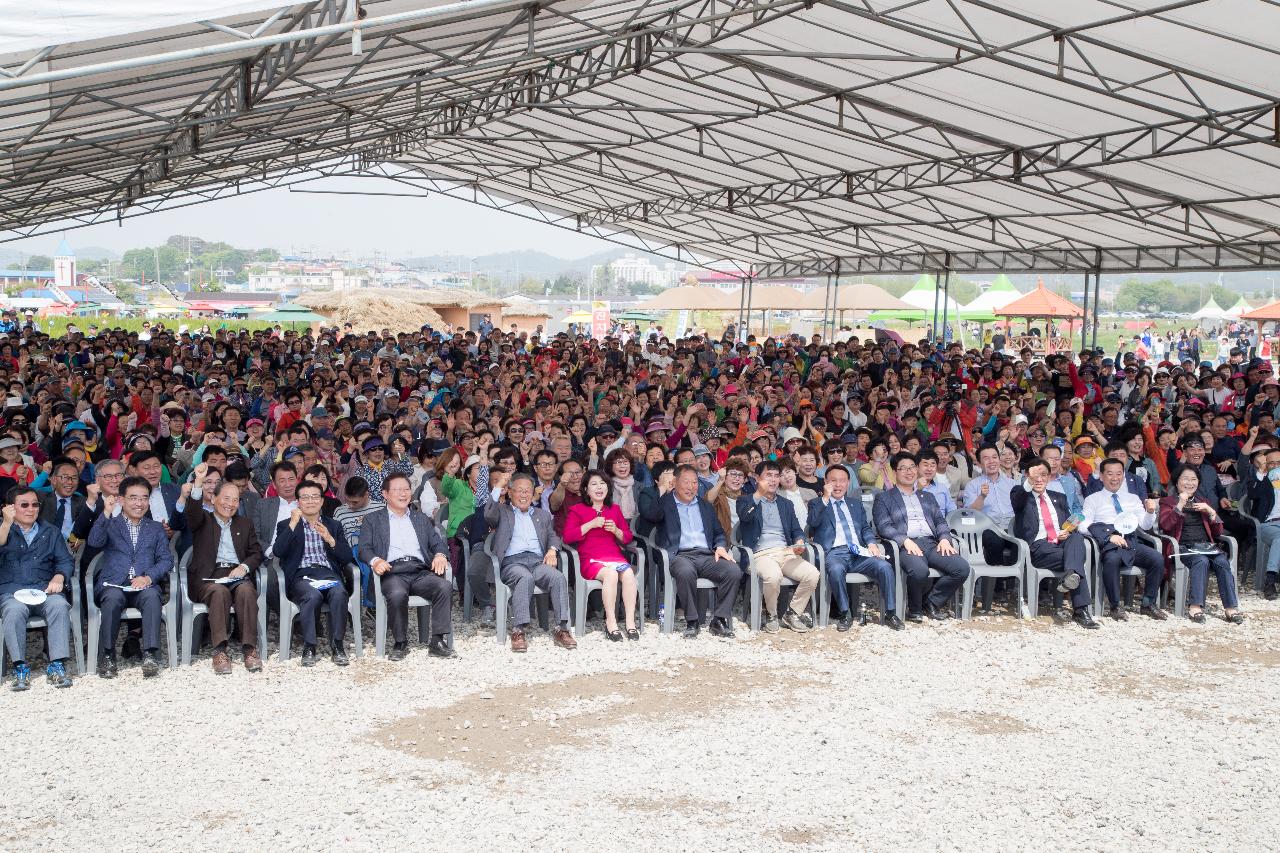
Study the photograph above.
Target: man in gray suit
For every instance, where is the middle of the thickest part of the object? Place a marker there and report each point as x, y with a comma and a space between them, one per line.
525, 544
396, 542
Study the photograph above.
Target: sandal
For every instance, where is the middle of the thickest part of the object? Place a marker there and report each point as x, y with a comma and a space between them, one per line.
1236, 618
1197, 617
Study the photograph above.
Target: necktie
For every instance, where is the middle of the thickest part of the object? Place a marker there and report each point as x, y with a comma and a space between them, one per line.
1050, 533
1115, 501
844, 526
60, 517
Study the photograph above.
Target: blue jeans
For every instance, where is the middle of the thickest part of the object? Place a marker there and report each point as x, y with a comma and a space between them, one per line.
1268, 534
840, 562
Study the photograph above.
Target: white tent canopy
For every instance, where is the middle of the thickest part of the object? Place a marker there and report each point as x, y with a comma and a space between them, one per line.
1211, 310
775, 138
1235, 311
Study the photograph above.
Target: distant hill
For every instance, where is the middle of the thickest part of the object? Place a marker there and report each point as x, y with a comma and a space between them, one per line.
95, 253
528, 261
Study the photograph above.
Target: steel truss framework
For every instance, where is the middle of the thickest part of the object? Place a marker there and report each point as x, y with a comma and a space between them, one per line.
774, 138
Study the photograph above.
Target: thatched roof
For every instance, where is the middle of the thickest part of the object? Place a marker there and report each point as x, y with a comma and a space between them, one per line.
768, 296
369, 310
855, 296
691, 299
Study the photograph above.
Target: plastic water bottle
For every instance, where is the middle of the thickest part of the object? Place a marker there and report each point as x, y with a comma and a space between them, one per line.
662, 614
862, 614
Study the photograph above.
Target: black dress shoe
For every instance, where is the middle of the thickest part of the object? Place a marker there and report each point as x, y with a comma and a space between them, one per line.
938, 614
1153, 612
398, 651
1118, 613
614, 636
915, 616
721, 628
1084, 619
150, 664
633, 634
1269, 587
845, 623
892, 622
439, 648
691, 630
309, 656
107, 667
339, 656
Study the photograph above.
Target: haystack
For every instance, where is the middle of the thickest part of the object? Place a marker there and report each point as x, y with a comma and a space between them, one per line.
400, 309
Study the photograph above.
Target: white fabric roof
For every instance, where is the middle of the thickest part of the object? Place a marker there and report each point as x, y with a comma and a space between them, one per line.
992, 300
763, 135
1211, 310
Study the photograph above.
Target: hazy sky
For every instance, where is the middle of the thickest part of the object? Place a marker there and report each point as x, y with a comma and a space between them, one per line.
400, 227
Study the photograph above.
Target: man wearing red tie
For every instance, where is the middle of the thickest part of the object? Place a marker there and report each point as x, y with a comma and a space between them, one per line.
1039, 516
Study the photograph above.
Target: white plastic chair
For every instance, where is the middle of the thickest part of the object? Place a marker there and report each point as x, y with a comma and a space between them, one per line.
1182, 574
502, 595
582, 587
824, 585
168, 612
192, 610
289, 611
77, 632
756, 603
380, 616
967, 526
1037, 575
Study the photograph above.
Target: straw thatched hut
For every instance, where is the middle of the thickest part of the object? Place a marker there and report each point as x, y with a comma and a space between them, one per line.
405, 309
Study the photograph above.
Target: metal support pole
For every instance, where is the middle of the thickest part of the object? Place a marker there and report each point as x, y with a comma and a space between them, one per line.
742, 301
937, 281
1084, 319
826, 307
1097, 289
946, 291
751, 286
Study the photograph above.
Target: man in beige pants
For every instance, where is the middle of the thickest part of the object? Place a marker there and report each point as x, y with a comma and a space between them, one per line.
769, 528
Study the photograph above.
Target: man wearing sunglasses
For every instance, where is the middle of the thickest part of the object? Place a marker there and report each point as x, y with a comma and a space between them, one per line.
34, 559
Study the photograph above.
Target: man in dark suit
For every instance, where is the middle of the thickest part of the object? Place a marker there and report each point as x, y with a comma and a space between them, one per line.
225, 555
1266, 509
135, 557
526, 545
267, 513
166, 502
60, 507
840, 527
314, 556
769, 528
396, 543
688, 531
913, 520
1038, 519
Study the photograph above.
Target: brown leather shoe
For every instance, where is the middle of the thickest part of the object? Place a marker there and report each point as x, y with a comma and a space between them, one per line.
252, 662
221, 663
564, 639
518, 641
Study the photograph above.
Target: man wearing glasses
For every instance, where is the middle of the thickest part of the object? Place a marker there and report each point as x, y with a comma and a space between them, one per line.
135, 557
62, 505
35, 560
314, 555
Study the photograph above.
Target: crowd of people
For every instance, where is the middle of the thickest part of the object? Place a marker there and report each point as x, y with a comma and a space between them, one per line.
379, 467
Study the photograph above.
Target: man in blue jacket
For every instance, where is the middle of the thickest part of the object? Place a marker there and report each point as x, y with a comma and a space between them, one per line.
770, 529
35, 557
135, 558
840, 527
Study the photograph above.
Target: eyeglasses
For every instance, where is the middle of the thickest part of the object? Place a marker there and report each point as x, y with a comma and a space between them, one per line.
25, 505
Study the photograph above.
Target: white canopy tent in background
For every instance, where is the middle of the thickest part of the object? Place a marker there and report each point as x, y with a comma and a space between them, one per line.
1235, 311
999, 294
1210, 312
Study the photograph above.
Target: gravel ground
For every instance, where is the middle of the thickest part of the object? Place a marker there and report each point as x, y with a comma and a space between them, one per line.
993, 734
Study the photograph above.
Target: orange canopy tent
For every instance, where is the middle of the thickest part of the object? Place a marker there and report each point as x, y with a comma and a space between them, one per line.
1042, 304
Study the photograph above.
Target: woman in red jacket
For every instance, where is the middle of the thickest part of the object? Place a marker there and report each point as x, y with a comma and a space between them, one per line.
597, 528
1196, 527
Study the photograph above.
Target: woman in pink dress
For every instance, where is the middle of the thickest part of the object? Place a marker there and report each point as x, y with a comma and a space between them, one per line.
598, 530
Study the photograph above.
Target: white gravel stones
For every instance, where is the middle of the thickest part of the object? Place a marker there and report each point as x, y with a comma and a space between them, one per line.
989, 735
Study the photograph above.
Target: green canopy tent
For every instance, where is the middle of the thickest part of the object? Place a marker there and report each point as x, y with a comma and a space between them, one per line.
631, 315
288, 312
